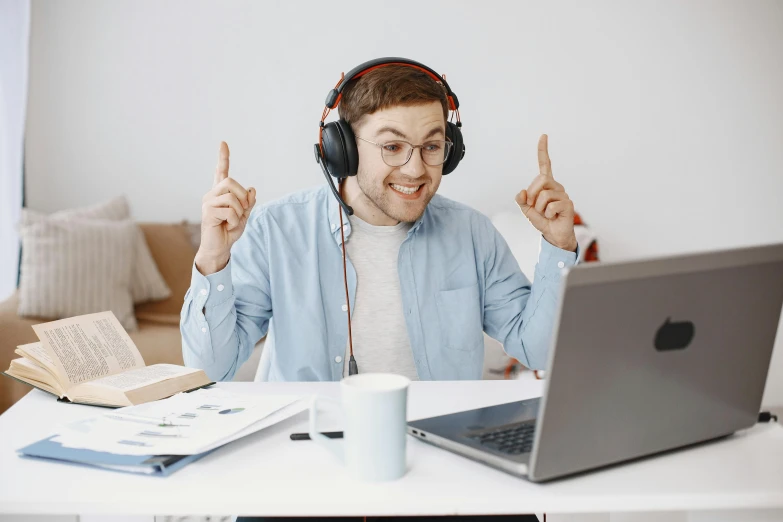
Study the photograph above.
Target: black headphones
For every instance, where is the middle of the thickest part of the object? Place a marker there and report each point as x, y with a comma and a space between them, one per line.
336, 150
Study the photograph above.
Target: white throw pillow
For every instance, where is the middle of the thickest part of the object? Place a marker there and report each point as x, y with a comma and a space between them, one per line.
147, 284
76, 266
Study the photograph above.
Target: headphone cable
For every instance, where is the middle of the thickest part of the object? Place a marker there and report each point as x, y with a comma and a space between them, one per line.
353, 368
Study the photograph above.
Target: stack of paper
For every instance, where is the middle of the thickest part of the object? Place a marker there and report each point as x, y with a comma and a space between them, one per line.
162, 436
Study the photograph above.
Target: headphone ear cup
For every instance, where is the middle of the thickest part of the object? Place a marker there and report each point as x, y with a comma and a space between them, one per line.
351, 152
333, 150
454, 134
339, 149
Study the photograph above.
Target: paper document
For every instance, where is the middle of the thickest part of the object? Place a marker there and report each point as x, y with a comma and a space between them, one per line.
185, 424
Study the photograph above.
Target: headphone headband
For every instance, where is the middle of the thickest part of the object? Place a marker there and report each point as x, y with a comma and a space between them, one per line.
334, 96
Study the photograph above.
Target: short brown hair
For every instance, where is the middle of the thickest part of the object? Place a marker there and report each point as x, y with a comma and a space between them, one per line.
386, 87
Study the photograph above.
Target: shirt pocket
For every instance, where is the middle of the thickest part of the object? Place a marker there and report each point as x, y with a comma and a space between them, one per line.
459, 312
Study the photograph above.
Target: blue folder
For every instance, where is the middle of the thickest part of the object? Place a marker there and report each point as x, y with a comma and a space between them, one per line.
156, 465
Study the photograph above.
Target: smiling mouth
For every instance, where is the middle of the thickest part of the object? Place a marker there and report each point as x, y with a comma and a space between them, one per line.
408, 191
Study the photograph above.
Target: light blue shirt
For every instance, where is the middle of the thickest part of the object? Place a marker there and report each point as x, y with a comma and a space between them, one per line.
285, 278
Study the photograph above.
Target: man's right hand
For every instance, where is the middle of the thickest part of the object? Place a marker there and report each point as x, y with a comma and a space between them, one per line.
224, 213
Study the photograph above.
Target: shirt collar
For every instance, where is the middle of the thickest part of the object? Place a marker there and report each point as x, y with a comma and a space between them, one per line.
419, 221
333, 210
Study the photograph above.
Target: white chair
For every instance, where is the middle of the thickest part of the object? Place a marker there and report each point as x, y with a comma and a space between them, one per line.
248, 371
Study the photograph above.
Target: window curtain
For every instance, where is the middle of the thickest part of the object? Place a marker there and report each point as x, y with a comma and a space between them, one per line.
14, 49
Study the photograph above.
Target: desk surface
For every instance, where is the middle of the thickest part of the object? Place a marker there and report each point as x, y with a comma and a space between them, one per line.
268, 474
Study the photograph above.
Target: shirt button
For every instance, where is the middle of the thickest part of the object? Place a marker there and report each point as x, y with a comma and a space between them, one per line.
345, 309
220, 288
334, 227
204, 330
338, 359
203, 292
560, 264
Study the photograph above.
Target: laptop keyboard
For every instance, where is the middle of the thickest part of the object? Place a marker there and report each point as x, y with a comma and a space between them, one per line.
513, 440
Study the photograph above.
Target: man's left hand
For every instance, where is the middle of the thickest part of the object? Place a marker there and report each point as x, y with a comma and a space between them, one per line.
546, 204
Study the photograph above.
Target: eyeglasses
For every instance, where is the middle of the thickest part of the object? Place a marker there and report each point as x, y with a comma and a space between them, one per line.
398, 153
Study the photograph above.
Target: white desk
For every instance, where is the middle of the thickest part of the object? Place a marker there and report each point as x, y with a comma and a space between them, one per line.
268, 474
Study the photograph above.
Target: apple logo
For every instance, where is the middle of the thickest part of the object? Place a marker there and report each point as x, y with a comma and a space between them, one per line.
674, 335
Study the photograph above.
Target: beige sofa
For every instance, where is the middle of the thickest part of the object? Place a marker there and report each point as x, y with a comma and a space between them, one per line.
173, 246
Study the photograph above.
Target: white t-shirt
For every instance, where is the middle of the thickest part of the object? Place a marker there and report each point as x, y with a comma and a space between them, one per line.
380, 336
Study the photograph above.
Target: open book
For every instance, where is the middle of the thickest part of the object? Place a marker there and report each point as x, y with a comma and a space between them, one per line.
90, 359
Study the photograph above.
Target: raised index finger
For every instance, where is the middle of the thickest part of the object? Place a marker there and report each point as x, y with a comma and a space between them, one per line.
221, 172
544, 164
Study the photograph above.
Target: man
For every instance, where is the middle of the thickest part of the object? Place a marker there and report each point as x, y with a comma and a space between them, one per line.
426, 275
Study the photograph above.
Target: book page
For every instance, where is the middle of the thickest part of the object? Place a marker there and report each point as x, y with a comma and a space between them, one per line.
36, 353
30, 372
31, 365
87, 347
139, 377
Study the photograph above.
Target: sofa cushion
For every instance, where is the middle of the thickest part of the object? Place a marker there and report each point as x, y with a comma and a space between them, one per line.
14, 331
76, 266
147, 284
173, 252
158, 343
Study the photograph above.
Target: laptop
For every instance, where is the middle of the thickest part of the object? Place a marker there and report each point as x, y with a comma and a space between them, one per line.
647, 356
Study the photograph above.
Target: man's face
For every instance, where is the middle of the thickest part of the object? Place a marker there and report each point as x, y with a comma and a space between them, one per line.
388, 189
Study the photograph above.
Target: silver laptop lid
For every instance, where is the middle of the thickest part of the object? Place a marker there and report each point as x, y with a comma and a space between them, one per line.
655, 355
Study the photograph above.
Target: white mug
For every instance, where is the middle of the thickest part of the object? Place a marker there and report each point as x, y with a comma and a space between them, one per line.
374, 406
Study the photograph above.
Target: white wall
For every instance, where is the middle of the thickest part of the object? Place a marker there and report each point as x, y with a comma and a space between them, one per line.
665, 118
14, 47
